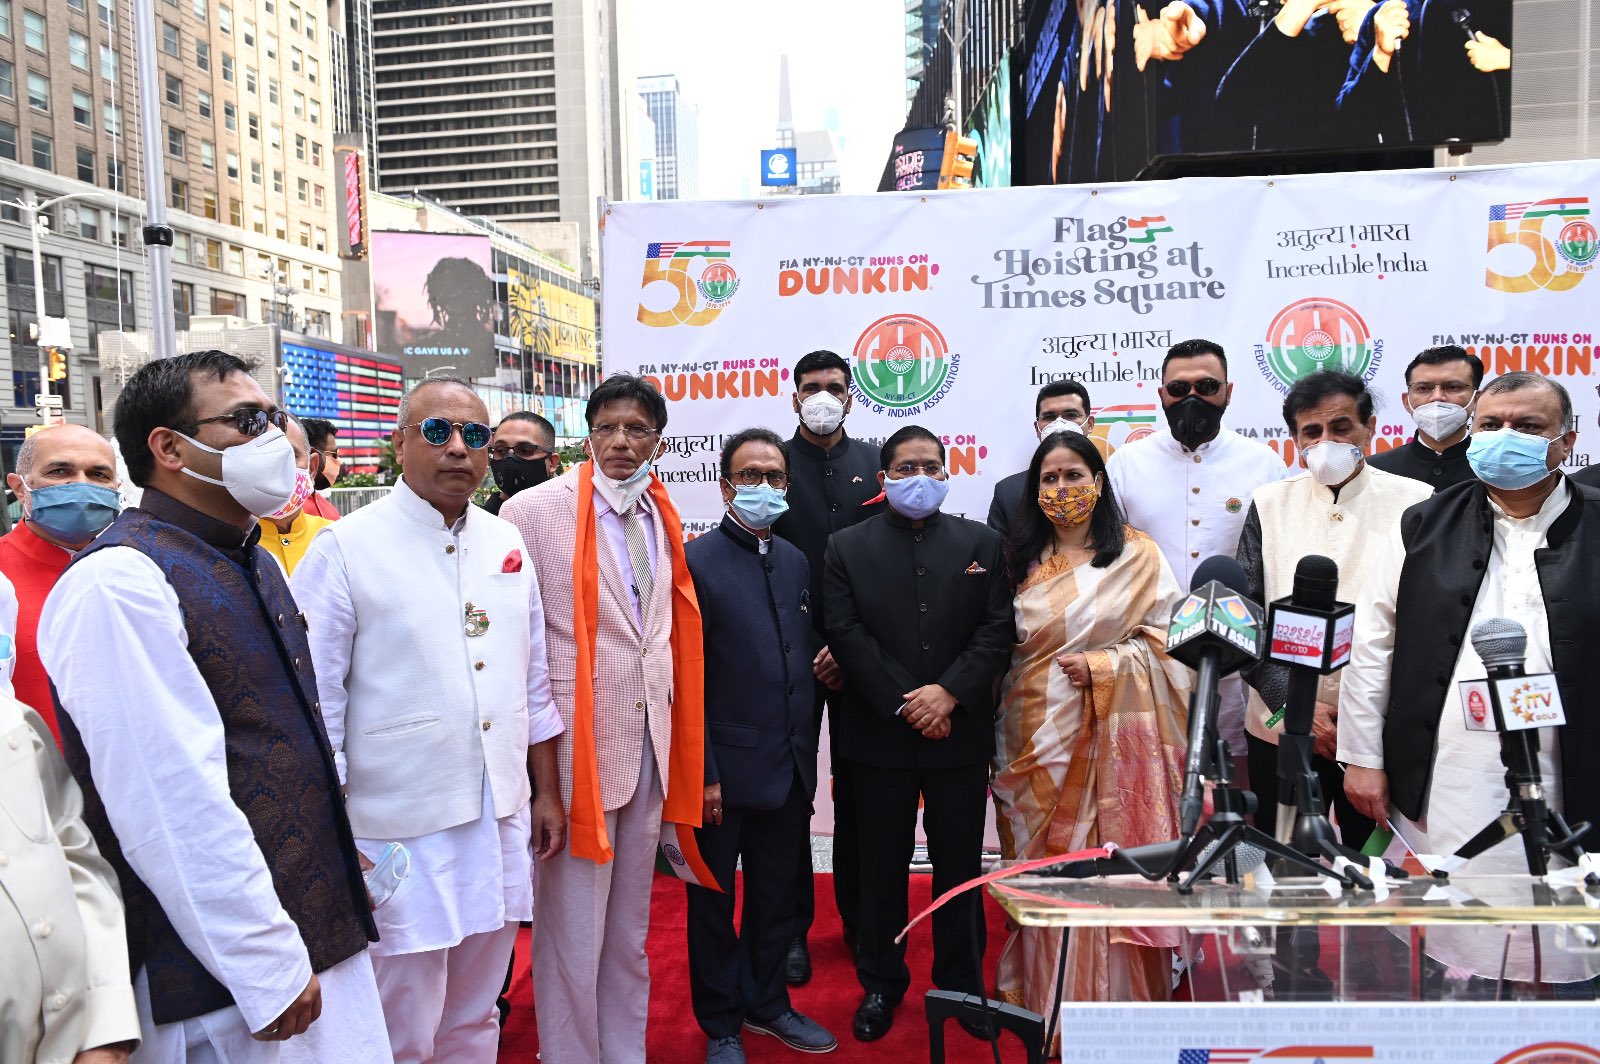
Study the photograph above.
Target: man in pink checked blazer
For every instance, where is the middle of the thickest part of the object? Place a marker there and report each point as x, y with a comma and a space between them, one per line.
591, 977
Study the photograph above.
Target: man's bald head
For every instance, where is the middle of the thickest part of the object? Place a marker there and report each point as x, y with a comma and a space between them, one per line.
59, 453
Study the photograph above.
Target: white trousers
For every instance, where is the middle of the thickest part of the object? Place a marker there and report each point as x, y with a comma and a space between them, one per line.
350, 1029
440, 1004
591, 978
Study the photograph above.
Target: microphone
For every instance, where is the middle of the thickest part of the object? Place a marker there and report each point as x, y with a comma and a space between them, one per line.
1154, 861
1215, 631
1463, 19
1311, 634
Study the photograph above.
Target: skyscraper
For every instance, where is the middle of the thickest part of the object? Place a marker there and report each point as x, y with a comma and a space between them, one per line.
499, 109
677, 137
354, 109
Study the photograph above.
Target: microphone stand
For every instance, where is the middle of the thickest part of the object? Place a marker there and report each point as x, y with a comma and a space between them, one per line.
1227, 827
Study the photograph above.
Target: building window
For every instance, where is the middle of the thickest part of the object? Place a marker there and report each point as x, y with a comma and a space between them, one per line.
302, 190
255, 171
82, 109
38, 92
8, 80
253, 122
314, 112
250, 80
225, 19
208, 155
305, 235
280, 228
236, 260
227, 68
175, 142
249, 33
33, 30
180, 247
277, 181
174, 91
235, 213
272, 91
294, 16
233, 165
113, 118
179, 200
44, 152
299, 147
214, 258
297, 59
316, 195
5, 18
169, 39
203, 103
316, 153
227, 303
8, 144
312, 69
107, 12
89, 223
182, 291
276, 136
86, 165
272, 45
208, 205
258, 220
78, 50
230, 115
116, 179
297, 104
311, 27
199, 9
202, 55
321, 241
108, 63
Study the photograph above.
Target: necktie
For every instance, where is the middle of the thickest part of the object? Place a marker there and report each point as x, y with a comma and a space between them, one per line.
639, 557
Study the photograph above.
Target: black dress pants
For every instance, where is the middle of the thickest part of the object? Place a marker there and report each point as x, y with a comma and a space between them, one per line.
953, 801
846, 863
737, 975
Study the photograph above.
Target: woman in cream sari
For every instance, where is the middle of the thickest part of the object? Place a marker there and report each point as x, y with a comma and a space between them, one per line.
1091, 738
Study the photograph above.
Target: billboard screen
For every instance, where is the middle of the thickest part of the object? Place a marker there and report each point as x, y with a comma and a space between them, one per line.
358, 392
1113, 90
549, 320
991, 128
435, 302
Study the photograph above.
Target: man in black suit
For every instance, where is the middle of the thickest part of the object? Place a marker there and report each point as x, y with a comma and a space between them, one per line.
833, 483
761, 755
1441, 386
919, 619
1061, 406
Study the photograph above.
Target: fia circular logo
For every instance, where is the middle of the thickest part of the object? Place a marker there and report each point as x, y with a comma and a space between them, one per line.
1578, 244
902, 360
717, 284
1317, 334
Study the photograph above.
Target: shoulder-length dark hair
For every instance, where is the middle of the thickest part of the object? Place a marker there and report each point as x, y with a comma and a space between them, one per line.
1032, 531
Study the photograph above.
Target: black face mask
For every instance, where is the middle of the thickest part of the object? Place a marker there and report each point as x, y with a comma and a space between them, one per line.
513, 474
1194, 421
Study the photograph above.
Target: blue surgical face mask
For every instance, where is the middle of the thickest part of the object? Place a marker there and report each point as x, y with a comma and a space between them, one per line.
75, 512
916, 497
1508, 459
758, 506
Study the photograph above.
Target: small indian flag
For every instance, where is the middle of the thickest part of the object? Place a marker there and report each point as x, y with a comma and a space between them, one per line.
679, 855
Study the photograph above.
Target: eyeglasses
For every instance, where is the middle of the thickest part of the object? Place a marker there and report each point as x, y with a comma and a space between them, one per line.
911, 469
438, 430
523, 449
248, 420
1206, 386
332, 454
635, 433
1067, 415
749, 478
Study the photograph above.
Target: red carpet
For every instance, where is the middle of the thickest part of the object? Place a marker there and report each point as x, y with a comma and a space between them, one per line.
830, 998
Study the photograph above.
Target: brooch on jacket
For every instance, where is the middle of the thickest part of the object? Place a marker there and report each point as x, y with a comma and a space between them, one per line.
477, 620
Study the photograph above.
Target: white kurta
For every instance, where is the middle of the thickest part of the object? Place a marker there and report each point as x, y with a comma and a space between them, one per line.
155, 740
1193, 504
449, 893
1466, 765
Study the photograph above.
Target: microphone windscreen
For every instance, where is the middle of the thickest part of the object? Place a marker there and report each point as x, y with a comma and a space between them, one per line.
1316, 581
1221, 568
1248, 857
1500, 641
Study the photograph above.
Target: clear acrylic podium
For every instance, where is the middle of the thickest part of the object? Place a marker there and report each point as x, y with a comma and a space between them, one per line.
1301, 939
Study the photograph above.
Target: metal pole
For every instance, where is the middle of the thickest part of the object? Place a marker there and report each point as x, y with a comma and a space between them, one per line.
164, 340
38, 305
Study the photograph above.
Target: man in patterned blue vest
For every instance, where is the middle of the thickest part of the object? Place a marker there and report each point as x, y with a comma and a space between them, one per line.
190, 718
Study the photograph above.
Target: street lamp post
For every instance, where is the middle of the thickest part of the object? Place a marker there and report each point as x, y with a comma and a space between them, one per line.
36, 225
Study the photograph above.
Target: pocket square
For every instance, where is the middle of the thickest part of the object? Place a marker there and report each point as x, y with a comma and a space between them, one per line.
513, 562
974, 569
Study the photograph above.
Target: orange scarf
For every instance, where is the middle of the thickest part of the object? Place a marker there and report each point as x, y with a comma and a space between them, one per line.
686, 764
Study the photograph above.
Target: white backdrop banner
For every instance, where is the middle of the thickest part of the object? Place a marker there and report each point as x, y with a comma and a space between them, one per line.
954, 307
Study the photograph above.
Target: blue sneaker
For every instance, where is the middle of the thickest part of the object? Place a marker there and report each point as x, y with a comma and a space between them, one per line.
796, 1032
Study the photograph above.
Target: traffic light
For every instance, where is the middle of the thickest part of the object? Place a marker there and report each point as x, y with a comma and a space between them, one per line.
58, 366
955, 171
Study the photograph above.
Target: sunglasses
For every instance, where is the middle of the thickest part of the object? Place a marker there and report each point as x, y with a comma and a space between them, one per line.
437, 431
1207, 386
527, 451
249, 420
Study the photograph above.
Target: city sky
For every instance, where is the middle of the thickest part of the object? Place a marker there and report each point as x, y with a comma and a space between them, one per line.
845, 56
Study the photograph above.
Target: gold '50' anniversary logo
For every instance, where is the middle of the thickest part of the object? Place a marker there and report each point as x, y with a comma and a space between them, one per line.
693, 280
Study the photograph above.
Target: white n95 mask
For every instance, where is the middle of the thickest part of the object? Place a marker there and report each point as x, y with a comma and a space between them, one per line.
259, 473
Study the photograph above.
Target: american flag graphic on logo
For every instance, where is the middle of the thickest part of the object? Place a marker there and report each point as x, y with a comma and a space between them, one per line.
690, 249
1217, 1056
1283, 1053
